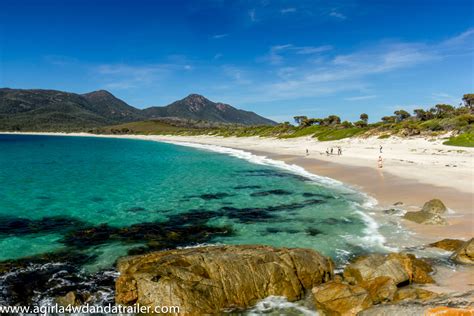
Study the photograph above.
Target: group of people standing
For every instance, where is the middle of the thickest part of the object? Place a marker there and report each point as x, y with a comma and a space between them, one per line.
331, 151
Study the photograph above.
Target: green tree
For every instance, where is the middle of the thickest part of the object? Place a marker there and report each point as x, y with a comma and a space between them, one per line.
422, 115
360, 123
364, 117
468, 100
389, 119
444, 110
332, 120
299, 119
401, 115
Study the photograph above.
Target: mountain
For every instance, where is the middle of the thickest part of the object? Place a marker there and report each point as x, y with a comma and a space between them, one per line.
197, 107
107, 105
52, 110
57, 110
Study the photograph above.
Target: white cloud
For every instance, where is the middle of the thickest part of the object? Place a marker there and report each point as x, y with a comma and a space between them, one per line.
124, 76
337, 15
219, 36
344, 72
360, 98
275, 54
287, 10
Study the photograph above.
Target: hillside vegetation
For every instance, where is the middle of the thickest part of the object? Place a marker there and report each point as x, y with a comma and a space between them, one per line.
53, 111
435, 121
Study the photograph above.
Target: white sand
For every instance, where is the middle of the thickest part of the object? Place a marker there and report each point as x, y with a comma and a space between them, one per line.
427, 161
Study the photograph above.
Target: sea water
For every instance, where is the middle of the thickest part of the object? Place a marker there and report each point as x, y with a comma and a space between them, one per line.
83, 202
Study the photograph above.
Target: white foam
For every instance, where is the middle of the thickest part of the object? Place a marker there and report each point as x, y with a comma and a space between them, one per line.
276, 305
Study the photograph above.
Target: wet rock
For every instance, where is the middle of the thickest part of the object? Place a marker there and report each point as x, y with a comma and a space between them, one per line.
271, 192
465, 254
434, 206
381, 289
334, 298
70, 299
422, 217
448, 244
402, 268
410, 293
393, 211
210, 279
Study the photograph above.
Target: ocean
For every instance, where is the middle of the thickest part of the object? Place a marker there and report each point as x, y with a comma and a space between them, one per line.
71, 206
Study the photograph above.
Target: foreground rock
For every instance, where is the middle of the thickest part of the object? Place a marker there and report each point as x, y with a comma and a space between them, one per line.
210, 279
410, 293
459, 304
434, 206
381, 289
448, 244
465, 254
335, 298
422, 217
401, 268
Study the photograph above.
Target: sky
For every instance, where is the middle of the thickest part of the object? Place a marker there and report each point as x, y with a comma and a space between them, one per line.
277, 58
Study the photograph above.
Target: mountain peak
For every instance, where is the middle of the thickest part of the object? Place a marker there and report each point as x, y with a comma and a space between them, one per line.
99, 93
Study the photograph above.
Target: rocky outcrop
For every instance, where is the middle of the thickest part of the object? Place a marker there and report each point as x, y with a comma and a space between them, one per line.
402, 268
422, 217
448, 244
434, 206
210, 279
341, 299
381, 289
465, 254
412, 293
429, 214
460, 304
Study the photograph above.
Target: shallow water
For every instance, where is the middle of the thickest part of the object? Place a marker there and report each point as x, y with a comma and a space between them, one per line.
84, 202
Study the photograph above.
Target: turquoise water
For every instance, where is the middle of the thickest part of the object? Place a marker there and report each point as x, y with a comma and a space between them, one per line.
107, 197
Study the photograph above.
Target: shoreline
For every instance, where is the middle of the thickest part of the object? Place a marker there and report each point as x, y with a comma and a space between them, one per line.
384, 184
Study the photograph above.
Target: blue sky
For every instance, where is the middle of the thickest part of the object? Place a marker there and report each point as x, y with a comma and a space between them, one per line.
277, 58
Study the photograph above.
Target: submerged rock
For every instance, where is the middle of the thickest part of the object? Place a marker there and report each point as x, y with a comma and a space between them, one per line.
434, 206
422, 217
335, 298
448, 244
402, 268
211, 279
465, 254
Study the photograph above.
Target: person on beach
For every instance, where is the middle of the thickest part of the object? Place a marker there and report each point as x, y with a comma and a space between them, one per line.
380, 162
327, 152
332, 150
307, 152
339, 150
381, 148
